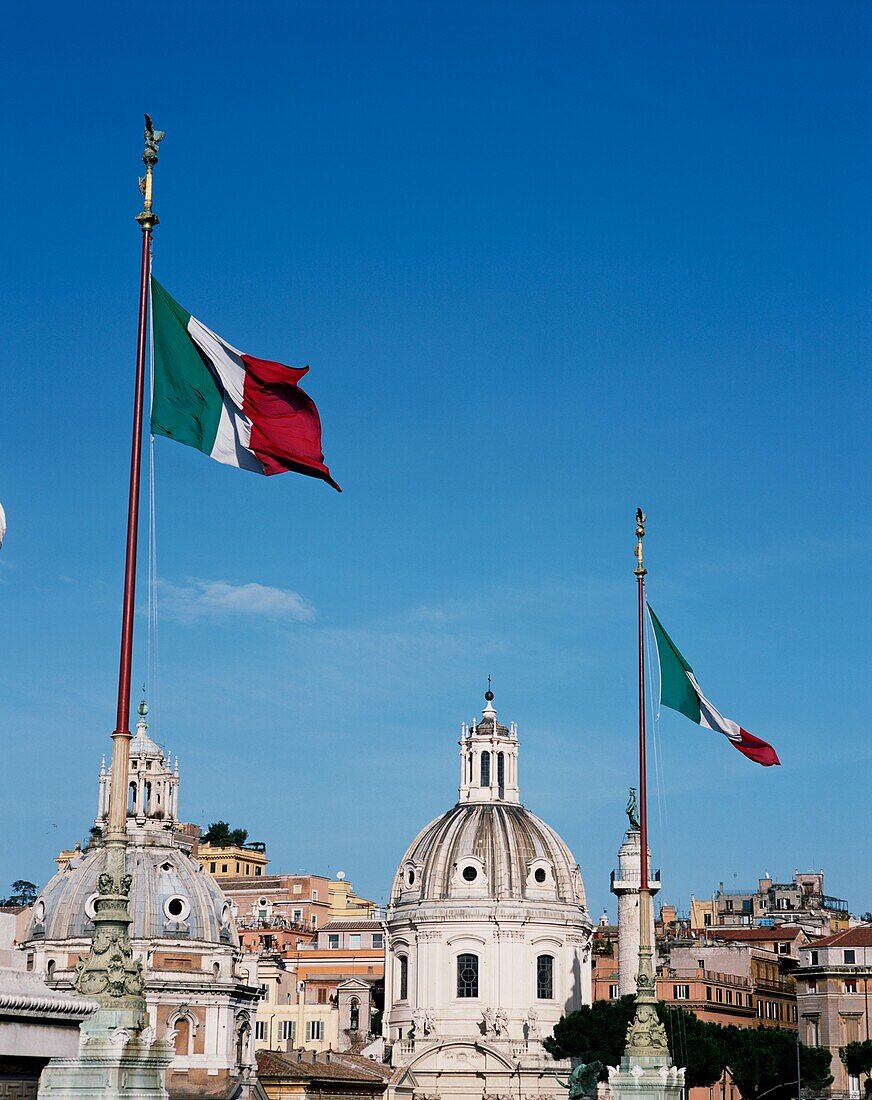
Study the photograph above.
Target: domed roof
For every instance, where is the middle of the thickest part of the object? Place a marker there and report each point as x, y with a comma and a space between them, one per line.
491, 850
489, 846
171, 897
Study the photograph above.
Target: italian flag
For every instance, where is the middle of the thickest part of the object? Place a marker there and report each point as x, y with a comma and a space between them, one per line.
237, 409
680, 691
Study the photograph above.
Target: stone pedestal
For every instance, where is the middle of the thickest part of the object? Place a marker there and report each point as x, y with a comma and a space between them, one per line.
646, 1078
114, 1062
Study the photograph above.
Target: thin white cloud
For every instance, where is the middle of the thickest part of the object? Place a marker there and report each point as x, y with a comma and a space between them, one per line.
199, 599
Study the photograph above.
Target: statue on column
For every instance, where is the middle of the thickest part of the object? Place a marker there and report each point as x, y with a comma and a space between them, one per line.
632, 810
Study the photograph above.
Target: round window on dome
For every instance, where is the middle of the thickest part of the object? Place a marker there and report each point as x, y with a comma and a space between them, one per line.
91, 906
540, 875
470, 873
177, 908
39, 911
410, 876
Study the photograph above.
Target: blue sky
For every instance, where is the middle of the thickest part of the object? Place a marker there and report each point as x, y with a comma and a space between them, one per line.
548, 261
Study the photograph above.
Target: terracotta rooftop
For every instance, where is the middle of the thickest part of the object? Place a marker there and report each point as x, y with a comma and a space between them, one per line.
757, 935
306, 1065
861, 936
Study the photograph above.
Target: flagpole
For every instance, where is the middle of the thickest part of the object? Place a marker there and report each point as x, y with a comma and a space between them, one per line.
110, 974
646, 1036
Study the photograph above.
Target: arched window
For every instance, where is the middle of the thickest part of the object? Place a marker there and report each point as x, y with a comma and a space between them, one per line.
242, 1039
404, 977
354, 1016
485, 769
545, 977
501, 769
50, 969
467, 975
183, 1035
131, 799
147, 797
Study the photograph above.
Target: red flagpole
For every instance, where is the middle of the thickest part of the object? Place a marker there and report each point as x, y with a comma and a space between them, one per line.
640, 572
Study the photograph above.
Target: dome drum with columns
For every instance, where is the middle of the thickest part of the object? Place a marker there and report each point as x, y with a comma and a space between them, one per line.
488, 936
199, 987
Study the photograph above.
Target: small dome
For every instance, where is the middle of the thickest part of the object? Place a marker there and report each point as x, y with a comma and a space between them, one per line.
496, 850
171, 896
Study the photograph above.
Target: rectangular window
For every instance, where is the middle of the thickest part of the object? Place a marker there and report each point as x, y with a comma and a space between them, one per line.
257, 871
322, 996
729, 903
708, 992
237, 867
378, 939
314, 919
404, 977
223, 868
681, 992
545, 977
850, 957
314, 1030
706, 920
298, 887
298, 916
260, 1030
467, 975
354, 941
314, 895
614, 992
729, 996
851, 985
333, 942
749, 1000
813, 1032
212, 867
813, 957
287, 1030
719, 995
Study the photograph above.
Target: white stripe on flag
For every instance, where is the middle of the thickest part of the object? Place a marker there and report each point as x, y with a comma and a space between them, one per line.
711, 718
232, 440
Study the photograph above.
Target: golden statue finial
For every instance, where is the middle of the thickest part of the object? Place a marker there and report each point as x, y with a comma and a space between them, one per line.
147, 218
640, 569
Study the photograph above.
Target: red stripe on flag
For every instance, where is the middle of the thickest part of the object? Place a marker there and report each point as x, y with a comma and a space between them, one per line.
285, 425
755, 749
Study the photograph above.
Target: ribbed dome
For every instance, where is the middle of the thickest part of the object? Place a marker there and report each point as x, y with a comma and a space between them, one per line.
514, 854
171, 897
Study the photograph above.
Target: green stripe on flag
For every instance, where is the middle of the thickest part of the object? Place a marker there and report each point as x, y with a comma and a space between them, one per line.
186, 403
676, 690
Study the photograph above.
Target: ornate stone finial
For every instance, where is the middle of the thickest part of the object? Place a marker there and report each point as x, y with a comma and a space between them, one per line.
641, 518
632, 810
147, 218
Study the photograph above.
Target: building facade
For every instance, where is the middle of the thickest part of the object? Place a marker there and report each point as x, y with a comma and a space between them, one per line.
488, 937
833, 981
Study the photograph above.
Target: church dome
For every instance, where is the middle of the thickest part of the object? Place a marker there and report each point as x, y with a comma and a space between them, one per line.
488, 846
491, 850
171, 897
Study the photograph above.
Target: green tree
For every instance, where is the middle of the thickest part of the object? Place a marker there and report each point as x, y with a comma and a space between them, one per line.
762, 1062
23, 893
857, 1058
220, 835
598, 1032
